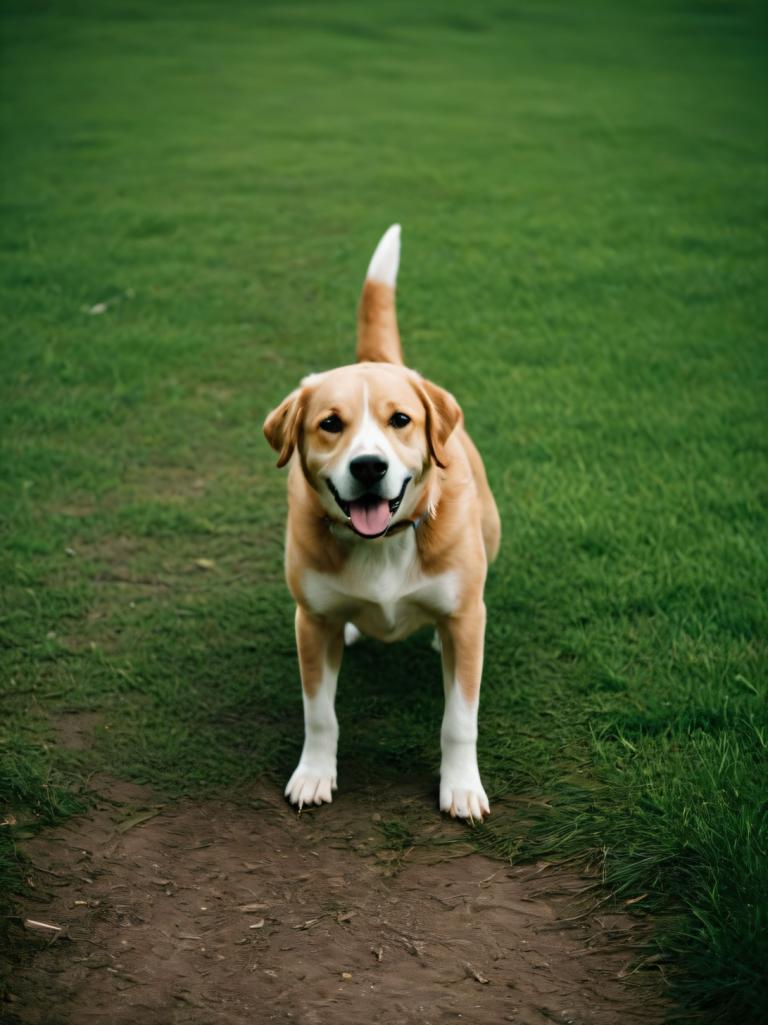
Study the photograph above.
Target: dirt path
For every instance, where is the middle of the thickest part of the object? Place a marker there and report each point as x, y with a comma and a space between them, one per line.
216, 912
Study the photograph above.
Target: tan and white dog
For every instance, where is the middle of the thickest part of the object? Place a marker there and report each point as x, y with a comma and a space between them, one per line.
391, 525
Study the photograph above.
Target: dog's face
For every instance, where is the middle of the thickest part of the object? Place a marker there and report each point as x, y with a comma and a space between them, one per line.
367, 436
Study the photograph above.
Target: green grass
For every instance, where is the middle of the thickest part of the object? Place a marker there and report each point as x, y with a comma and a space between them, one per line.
583, 195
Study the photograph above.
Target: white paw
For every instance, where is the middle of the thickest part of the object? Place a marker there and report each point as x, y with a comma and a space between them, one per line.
309, 785
351, 634
464, 800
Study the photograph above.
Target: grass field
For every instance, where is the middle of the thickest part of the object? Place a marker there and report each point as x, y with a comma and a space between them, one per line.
191, 192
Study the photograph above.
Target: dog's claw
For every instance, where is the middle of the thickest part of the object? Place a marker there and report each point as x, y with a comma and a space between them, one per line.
351, 634
307, 786
469, 803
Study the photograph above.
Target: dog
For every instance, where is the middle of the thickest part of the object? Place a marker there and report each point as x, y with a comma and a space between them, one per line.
391, 526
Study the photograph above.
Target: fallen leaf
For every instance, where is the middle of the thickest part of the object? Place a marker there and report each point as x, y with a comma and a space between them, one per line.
473, 973
136, 820
253, 907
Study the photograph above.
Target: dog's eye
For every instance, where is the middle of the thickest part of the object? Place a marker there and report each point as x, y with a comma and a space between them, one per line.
332, 424
399, 420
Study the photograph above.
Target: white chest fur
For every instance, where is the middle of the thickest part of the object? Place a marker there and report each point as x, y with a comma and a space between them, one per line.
382, 589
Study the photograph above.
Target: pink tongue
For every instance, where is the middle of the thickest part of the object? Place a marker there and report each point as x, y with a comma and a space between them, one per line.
370, 518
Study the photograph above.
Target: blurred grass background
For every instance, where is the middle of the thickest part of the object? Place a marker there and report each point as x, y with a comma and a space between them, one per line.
191, 193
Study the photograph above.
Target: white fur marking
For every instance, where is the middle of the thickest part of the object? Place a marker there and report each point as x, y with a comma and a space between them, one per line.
461, 791
371, 440
382, 590
315, 776
386, 258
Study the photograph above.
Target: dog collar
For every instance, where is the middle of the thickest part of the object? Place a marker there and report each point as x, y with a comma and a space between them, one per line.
402, 525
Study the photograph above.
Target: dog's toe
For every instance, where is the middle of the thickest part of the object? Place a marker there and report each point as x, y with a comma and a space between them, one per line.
307, 786
464, 802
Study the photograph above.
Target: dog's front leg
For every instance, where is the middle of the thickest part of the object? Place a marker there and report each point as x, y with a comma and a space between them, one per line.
462, 637
320, 645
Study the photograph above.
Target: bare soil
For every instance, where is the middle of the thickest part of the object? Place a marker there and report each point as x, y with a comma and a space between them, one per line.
226, 912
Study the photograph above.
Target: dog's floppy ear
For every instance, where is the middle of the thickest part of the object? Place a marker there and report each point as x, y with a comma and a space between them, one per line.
443, 414
282, 426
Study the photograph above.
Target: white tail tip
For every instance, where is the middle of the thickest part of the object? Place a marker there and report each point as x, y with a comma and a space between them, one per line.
386, 259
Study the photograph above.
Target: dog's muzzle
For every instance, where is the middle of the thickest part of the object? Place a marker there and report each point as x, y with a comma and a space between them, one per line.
369, 515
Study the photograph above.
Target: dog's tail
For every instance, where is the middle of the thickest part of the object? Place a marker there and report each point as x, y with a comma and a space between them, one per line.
378, 339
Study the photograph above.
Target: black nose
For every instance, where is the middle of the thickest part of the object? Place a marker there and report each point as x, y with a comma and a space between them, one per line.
368, 469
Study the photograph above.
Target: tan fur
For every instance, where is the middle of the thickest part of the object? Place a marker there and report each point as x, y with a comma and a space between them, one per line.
282, 426
378, 338
461, 636
448, 498
318, 647
458, 487
489, 514
461, 534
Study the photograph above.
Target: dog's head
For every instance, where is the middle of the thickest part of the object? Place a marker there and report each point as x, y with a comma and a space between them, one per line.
367, 436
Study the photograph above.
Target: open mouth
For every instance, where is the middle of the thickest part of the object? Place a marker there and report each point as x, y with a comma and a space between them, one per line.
369, 515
